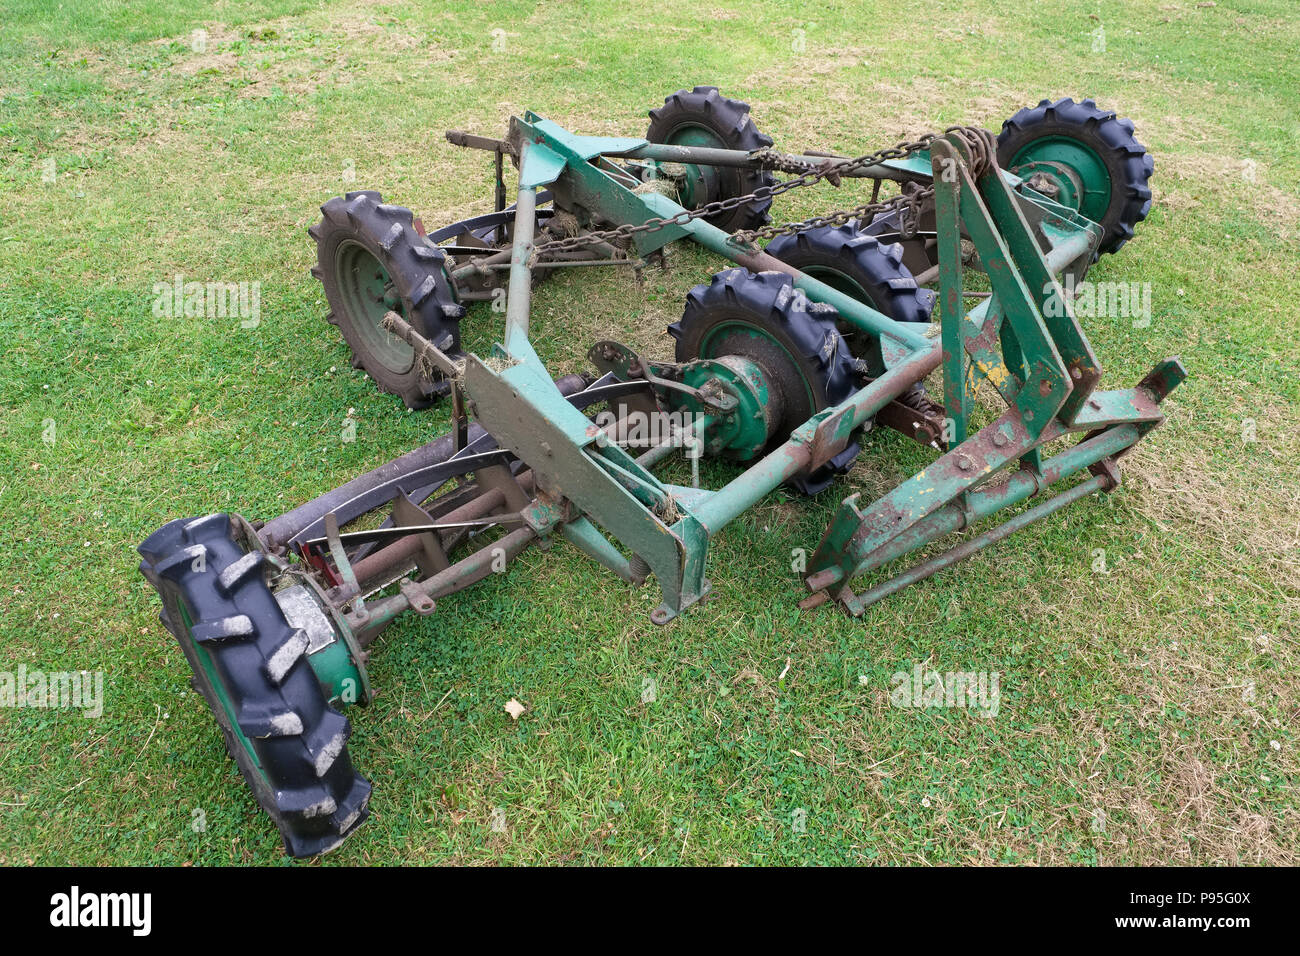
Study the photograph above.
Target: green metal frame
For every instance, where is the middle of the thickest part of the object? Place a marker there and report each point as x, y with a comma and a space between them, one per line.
1042, 366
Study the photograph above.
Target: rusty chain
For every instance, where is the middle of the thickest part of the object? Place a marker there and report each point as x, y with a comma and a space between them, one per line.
980, 146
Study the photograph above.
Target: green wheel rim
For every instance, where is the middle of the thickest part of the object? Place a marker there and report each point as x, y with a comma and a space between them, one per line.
752, 331
368, 295
698, 178
839, 282
219, 691
1039, 156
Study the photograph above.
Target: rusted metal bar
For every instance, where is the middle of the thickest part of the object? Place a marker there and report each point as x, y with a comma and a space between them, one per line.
440, 360
464, 573
400, 555
961, 552
458, 137
983, 502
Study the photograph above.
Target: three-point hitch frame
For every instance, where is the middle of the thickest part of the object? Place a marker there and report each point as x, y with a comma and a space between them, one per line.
1023, 338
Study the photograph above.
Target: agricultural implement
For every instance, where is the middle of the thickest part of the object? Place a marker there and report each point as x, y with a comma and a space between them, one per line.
782, 363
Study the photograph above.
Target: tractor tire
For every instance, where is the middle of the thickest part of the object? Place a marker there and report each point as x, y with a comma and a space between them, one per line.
761, 317
871, 272
370, 259
860, 266
251, 667
1102, 166
704, 117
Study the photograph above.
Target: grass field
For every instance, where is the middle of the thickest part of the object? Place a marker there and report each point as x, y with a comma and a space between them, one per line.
1148, 714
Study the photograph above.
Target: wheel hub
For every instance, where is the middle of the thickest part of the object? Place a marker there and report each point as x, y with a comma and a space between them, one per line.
332, 650
368, 295
744, 431
1078, 173
696, 185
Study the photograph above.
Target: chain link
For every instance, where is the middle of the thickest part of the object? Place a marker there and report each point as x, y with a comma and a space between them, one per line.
907, 203
980, 146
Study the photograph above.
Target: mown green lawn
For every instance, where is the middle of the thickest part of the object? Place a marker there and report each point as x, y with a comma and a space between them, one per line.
1148, 714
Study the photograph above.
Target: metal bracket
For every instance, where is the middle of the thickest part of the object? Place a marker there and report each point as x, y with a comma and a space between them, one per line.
344, 565
614, 357
420, 602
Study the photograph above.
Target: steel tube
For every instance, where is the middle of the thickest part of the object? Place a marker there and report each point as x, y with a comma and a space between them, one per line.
584, 536
520, 290
725, 505
1064, 253
863, 316
981, 503
731, 500
493, 260
712, 156
964, 550
850, 309
468, 571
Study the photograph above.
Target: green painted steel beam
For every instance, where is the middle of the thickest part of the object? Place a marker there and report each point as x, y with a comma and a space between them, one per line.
583, 184
947, 225
1054, 308
978, 505
793, 457
1019, 303
856, 313
519, 291
586, 537
858, 603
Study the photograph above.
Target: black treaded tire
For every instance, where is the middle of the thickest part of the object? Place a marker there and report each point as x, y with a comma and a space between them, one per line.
418, 279
806, 356
873, 272
298, 768
1111, 138
863, 267
704, 107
